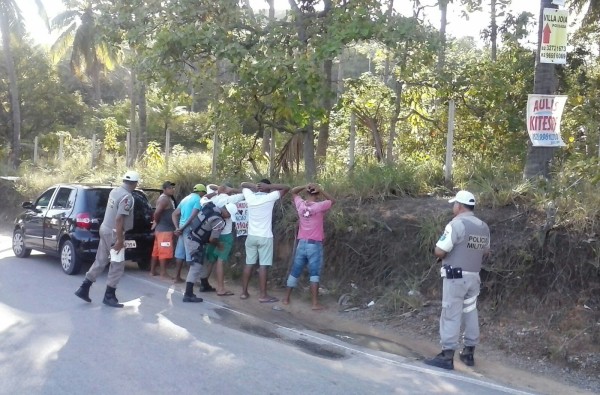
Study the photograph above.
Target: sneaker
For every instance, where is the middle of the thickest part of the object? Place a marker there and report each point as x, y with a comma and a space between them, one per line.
444, 360
191, 299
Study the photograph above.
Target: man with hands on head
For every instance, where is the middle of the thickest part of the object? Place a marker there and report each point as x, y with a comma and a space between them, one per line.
309, 250
260, 199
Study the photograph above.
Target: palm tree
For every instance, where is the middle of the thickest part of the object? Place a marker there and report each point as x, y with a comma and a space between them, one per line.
11, 21
545, 83
82, 37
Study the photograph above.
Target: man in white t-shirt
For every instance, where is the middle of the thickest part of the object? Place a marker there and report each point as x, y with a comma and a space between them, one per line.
259, 244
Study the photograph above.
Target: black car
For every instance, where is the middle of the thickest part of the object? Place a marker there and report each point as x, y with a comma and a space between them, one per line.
64, 221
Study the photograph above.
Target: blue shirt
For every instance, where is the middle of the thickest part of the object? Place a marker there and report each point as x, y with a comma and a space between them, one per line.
187, 205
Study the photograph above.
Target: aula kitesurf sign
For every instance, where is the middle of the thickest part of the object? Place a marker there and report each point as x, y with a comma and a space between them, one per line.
544, 113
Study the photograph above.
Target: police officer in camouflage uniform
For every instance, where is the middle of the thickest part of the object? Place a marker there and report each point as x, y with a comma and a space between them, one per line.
118, 219
461, 248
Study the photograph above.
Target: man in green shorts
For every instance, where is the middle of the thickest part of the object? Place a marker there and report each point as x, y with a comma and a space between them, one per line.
227, 197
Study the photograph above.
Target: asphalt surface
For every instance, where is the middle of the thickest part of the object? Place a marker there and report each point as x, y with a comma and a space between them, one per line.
51, 342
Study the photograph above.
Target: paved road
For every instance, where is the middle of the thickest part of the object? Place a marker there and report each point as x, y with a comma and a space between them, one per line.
51, 342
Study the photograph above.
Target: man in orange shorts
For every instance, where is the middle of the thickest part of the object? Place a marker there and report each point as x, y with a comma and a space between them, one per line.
163, 230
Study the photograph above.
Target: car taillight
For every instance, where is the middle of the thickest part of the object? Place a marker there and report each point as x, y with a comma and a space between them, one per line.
83, 220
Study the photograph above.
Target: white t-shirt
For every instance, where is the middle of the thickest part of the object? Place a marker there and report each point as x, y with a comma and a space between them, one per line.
260, 212
220, 201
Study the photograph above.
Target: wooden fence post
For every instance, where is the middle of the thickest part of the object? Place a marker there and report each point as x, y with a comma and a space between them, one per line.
167, 147
93, 161
128, 149
215, 154
61, 156
35, 150
450, 142
352, 142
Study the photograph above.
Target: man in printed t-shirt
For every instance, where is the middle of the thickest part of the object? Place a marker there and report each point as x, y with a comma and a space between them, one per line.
311, 213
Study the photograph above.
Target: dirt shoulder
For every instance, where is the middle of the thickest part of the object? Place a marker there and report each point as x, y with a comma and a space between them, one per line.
413, 338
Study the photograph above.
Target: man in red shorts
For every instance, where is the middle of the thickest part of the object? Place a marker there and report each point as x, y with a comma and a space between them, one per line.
163, 230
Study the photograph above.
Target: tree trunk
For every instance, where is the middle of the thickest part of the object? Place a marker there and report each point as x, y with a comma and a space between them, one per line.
133, 139
271, 10
390, 147
13, 90
266, 139
142, 116
545, 83
386, 72
323, 140
96, 82
352, 142
326, 95
340, 78
443, 4
310, 166
494, 31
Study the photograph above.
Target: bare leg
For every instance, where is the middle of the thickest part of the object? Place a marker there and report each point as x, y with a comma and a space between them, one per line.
314, 293
153, 262
163, 269
246, 281
178, 266
288, 293
220, 277
262, 277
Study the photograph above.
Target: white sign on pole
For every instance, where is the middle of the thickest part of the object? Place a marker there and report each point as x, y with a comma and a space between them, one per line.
553, 48
241, 223
544, 113
558, 2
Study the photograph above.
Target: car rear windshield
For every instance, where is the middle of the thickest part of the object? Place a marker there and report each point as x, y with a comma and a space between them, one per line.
96, 200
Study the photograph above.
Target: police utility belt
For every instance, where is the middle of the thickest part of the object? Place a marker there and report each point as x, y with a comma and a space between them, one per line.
450, 272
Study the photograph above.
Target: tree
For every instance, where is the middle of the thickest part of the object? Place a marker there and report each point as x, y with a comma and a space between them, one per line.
83, 38
545, 83
10, 17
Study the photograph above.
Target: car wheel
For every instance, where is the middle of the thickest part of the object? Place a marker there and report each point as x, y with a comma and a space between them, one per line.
18, 245
68, 259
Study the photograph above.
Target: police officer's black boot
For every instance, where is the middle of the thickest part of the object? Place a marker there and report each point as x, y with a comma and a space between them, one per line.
84, 290
205, 286
467, 356
189, 296
110, 299
444, 360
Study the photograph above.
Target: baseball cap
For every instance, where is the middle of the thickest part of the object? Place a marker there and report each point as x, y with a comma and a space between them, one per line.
210, 190
232, 209
463, 197
199, 188
167, 184
132, 176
